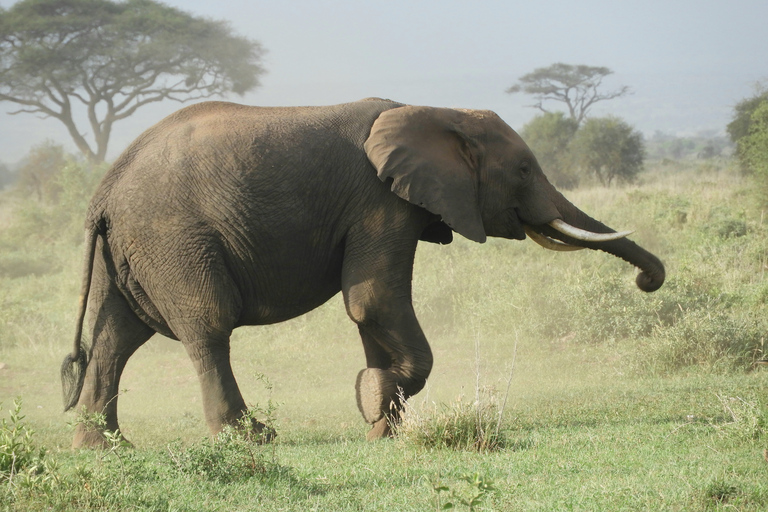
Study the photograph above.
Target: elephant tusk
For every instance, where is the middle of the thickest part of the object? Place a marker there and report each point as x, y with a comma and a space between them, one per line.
550, 243
586, 236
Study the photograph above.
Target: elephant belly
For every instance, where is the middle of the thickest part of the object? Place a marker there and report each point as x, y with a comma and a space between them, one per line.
270, 308
289, 289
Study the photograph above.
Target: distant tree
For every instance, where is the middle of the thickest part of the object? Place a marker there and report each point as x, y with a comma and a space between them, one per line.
680, 146
548, 135
102, 60
609, 148
576, 86
742, 113
6, 176
741, 125
39, 169
754, 146
710, 150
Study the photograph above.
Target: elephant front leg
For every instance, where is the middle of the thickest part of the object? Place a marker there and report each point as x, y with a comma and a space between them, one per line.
399, 361
376, 283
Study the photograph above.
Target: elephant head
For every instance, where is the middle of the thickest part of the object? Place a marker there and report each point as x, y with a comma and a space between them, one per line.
475, 172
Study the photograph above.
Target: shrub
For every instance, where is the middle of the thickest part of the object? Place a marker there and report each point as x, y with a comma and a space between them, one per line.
234, 454
17, 451
610, 149
548, 136
23, 465
742, 124
747, 419
460, 425
753, 149
228, 457
37, 174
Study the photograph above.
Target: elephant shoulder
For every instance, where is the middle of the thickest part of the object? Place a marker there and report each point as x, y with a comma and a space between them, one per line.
378, 105
382, 100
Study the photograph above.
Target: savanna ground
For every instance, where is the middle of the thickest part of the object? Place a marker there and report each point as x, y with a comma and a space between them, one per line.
590, 394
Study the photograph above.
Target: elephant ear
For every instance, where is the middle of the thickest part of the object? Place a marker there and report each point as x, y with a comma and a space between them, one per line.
432, 162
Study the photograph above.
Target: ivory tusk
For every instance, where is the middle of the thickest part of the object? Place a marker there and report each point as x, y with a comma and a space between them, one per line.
550, 243
584, 235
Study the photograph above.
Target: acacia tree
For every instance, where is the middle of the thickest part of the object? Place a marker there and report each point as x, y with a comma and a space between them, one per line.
102, 60
576, 86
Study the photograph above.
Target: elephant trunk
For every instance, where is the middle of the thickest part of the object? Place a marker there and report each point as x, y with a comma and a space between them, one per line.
652, 272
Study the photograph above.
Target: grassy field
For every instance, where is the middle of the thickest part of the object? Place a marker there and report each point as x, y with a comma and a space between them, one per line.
609, 398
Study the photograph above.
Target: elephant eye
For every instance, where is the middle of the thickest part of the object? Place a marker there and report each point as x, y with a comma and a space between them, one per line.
525, 169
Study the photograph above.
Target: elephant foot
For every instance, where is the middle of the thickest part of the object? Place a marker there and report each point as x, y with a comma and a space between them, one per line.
380, 430
94, 438
260, 433
376, 394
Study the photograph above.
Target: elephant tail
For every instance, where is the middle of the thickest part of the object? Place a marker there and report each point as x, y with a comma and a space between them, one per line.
74, 365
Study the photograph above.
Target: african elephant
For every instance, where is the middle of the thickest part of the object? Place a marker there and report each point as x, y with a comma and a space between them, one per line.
224, 215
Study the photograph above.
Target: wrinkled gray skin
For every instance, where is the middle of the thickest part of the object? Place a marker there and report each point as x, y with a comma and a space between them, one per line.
225, 215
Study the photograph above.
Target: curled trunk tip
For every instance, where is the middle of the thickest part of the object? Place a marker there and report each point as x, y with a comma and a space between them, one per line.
650, 283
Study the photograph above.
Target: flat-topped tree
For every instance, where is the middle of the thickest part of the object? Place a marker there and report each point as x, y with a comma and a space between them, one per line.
576, 86
96, 62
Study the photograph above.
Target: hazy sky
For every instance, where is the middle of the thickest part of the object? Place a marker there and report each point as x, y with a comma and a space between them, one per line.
687, 61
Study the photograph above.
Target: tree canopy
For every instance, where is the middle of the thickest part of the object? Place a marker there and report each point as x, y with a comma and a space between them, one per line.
740, 127
742, 114
576, 86
609, 148
753, 148
99, 61
548, 136
605, 148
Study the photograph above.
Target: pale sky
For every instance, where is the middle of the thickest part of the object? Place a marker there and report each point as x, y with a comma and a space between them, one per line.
688, 62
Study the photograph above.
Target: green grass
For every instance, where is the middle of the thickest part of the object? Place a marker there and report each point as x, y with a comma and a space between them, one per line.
618, 400
620, 445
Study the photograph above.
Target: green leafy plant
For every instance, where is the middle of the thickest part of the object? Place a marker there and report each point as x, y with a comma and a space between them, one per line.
749, 419
239, 452
479, 488
17, 450
22, 463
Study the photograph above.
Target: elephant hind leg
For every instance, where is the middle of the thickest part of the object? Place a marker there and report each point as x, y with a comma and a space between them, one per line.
116, 334
204, 328
222, 402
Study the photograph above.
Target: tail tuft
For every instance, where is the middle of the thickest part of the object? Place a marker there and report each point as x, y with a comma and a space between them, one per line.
72, 377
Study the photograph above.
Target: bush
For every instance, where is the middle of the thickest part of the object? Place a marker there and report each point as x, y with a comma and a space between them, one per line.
17, 451
460, 425
607, 148
23, 465
741, 125
231, 456
610, 149
753, 149
38, 171
548, 136
32, 241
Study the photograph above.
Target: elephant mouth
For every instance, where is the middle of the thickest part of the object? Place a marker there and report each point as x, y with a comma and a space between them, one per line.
562, 227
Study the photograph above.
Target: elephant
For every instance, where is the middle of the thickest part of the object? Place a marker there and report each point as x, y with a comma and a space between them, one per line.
224, 215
